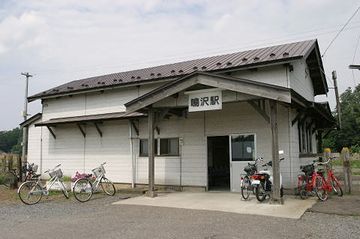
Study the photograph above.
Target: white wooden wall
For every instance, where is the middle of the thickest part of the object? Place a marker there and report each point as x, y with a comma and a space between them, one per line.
275, 75
93, 103
300, 80
34, 145
234, 118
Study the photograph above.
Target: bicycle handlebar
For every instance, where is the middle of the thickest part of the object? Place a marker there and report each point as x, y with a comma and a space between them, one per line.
103, 163
323, 163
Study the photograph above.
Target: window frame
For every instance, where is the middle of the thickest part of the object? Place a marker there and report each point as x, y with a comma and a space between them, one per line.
169, 155
231, 149
158, 147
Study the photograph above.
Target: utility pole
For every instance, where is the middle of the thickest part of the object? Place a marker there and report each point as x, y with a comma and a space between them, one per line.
25, 115
334, 77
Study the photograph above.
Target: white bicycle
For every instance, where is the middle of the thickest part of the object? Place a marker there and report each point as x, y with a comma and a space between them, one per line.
85, 187
31, 192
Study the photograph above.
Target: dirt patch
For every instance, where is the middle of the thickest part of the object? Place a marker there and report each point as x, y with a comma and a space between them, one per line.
8, 195
347, 205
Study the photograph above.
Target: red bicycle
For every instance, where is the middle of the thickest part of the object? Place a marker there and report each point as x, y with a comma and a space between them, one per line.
315, 182
328, 183
309, 182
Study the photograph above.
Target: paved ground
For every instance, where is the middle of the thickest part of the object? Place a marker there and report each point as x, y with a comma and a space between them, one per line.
99, 218
224, 202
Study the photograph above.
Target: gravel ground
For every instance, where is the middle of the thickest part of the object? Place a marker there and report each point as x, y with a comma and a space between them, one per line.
346, 205
98, 218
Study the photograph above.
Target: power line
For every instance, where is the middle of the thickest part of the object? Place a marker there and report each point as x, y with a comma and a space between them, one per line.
347, 22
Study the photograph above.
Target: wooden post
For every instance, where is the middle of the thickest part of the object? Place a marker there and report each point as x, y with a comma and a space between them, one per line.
151, 152
345, 156
338, 109
320, 143
276, 199
20, 168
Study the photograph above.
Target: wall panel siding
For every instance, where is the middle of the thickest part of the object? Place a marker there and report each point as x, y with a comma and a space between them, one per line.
113, 148
63, 107
34, 145
275, 75
100, 102
234, 118
300, 80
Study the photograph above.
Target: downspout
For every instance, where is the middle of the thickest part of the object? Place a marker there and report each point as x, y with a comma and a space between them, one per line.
132, 156
290, 151
290, 127
41, 149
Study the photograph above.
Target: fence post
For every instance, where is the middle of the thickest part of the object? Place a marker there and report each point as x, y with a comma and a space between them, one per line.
19, 166
345, 156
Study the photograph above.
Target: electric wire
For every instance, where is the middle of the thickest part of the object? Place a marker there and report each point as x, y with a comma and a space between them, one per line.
347, 22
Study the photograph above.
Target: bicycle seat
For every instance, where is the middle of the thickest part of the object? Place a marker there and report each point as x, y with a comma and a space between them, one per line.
36, 175
88, 175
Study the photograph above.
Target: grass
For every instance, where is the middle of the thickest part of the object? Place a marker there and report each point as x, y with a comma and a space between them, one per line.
354, 163
66, 179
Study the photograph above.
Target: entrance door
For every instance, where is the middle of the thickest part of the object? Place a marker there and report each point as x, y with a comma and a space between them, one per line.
242, 151
218, 163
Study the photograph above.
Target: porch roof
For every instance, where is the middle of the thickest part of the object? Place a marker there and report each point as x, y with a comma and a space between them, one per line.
90, 118
31, 120
240, 85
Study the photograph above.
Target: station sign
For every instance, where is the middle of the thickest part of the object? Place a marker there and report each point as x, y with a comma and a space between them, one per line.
204, 100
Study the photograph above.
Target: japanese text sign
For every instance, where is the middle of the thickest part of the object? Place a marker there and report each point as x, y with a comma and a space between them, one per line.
204, 100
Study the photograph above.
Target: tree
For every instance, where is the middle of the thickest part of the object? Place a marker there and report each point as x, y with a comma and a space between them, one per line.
349, 134
10, 141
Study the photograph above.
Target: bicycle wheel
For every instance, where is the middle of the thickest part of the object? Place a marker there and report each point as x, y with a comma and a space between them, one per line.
246, 188
107, 186
30, 192
336, 187
320, 189
83, 190
260, 193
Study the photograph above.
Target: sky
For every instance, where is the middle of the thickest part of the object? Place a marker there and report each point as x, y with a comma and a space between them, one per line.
65, 40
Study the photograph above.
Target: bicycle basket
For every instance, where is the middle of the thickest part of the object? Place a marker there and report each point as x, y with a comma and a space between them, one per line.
98, 171
34, 168
307, 169
56, 172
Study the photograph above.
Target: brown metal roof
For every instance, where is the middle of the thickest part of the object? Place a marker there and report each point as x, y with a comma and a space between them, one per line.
261, 56
90, 118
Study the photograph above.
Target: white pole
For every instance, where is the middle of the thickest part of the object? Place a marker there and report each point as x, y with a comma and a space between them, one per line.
25, 114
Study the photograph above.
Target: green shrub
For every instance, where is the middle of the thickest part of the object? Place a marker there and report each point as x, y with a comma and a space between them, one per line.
355, 148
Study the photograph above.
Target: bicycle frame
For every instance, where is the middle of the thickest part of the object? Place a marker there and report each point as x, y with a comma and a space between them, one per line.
95, 184
45, 190
327, 185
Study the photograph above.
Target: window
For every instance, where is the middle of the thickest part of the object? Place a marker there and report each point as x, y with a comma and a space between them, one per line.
305, 133
167, 147
243, 147
144, 147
